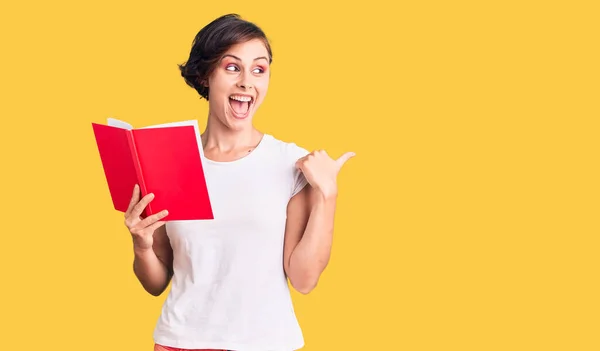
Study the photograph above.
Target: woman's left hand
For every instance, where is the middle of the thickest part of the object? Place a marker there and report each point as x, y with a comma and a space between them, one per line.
321, 171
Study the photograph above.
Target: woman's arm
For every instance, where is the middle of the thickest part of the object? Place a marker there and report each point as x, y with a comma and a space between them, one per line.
153, 255
154, 267
308, 237
310, 219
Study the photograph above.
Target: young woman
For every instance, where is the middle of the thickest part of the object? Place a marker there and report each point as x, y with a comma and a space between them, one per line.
273, 203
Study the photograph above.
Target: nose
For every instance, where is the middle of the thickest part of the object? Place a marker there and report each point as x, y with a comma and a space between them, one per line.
244, 85
245, 82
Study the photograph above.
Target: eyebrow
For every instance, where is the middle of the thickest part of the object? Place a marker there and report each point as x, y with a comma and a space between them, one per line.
239, 59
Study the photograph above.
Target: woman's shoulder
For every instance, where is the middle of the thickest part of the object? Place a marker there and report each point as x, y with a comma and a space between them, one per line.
286, 153
285, 148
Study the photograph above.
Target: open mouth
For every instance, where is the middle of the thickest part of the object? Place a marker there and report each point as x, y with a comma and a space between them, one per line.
240, 104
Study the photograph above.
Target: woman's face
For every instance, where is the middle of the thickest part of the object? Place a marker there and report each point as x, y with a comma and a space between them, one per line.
239, 83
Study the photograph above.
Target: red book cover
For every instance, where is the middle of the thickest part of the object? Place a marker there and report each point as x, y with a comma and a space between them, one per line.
163, 159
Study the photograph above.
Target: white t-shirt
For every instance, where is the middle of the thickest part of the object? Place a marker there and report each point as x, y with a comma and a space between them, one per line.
229, 289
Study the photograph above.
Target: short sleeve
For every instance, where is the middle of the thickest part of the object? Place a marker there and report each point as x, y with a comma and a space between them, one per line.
295, 152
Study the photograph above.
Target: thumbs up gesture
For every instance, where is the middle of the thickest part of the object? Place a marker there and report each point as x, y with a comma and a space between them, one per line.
321, 171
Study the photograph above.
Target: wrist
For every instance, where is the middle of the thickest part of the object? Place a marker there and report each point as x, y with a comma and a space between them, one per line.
327, 192
142, 252
325, 195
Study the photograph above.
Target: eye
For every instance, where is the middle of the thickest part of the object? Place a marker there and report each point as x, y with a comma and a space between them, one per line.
231, 68
259, 70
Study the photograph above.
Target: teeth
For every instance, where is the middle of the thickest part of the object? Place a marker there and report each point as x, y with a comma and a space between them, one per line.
241, 98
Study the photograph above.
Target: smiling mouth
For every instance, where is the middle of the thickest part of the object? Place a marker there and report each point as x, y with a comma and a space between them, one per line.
240, 104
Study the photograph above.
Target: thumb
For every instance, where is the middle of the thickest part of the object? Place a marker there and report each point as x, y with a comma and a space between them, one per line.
300, 163
345, 157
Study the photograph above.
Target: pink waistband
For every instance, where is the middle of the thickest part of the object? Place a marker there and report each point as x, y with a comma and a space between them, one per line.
158, 347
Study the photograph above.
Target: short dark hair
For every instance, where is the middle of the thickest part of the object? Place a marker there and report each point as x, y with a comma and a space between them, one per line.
211, 43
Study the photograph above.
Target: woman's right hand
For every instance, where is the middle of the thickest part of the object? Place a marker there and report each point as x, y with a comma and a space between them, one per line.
142, 229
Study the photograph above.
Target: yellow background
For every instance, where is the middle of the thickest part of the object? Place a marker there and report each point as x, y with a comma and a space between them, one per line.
469, 219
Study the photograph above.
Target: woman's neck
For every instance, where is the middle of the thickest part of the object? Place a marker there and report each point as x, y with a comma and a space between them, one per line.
219, 138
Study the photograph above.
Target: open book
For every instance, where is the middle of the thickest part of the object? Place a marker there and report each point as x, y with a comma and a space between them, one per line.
162, 159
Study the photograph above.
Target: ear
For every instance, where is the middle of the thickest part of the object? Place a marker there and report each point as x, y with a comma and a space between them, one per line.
203, 82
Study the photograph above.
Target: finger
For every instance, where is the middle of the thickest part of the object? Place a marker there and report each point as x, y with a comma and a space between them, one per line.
139, 208
152, 219
300, 161
134, 199
155, 226
344, 158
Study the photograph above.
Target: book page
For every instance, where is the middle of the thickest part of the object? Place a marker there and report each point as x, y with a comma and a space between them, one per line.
113, 122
